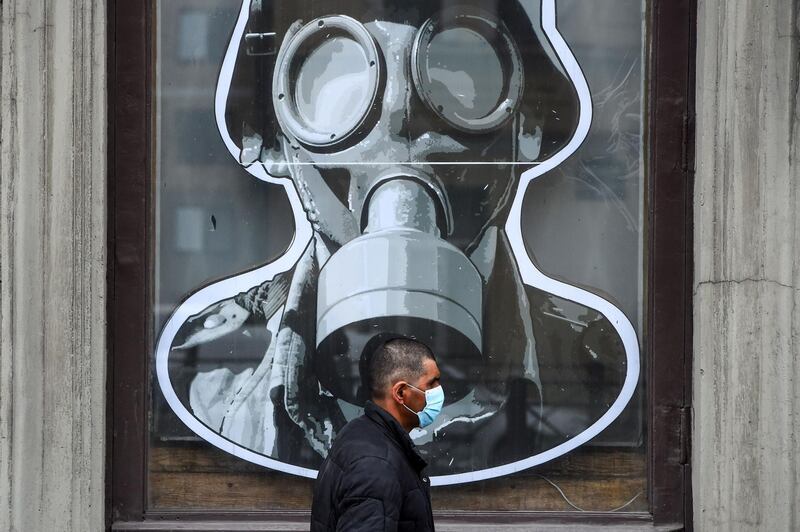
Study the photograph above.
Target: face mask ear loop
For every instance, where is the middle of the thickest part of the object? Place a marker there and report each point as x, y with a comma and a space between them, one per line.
406, 406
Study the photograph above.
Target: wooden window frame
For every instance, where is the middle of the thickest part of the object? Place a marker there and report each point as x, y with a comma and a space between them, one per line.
670, 132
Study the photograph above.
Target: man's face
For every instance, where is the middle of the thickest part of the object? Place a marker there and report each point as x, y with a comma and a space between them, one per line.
406, 138
429, 379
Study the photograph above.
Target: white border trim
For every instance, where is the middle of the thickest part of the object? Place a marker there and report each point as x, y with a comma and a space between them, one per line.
303, 233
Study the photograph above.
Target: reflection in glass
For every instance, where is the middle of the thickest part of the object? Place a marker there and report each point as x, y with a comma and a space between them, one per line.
193, 28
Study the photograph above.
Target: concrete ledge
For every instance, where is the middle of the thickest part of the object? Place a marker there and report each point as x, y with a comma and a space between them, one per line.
443, 526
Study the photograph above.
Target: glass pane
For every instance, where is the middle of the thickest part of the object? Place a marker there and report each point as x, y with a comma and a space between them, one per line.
482, 190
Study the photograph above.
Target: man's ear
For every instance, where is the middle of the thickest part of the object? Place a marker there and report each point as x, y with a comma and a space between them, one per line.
398, 391
529, 140
251, 145
275, 161
254, 150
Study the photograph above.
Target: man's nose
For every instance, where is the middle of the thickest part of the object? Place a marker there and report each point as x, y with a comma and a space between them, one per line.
406, 117
398, 105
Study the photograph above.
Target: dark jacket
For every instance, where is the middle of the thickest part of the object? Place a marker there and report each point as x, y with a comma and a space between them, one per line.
372, 479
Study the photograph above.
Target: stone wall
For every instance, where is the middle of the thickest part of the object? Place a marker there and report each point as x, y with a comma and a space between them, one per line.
746, 424
52, 265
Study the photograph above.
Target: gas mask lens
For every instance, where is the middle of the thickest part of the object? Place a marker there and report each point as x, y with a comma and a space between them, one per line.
332, 85
326, 81
467, 69
471, 85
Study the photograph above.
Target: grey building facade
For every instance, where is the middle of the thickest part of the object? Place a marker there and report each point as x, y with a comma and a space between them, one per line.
55, 217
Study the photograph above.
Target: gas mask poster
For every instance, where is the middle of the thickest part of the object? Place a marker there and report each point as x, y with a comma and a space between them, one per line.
448, 172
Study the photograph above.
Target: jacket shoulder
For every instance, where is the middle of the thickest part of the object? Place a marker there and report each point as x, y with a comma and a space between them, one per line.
362, 438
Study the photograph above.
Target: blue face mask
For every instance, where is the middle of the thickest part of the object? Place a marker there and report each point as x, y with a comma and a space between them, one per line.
434, 400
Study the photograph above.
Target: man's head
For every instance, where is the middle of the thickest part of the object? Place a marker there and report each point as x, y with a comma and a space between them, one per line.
419, 88
398, 373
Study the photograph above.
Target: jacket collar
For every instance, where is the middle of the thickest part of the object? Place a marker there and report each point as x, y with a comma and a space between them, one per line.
395, 432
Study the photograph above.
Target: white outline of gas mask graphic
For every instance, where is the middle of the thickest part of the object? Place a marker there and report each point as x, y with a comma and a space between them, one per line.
304, 231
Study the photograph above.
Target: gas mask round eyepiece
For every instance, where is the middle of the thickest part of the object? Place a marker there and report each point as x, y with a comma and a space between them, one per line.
473, 92
330, 59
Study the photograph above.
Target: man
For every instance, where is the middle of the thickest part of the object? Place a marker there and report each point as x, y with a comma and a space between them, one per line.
372, 478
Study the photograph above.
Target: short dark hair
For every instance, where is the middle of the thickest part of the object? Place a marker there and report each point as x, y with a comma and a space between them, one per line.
393, 360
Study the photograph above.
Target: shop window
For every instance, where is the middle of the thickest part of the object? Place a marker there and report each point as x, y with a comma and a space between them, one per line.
501, 160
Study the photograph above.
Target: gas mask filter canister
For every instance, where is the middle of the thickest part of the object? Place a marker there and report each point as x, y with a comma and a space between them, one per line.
398, 277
